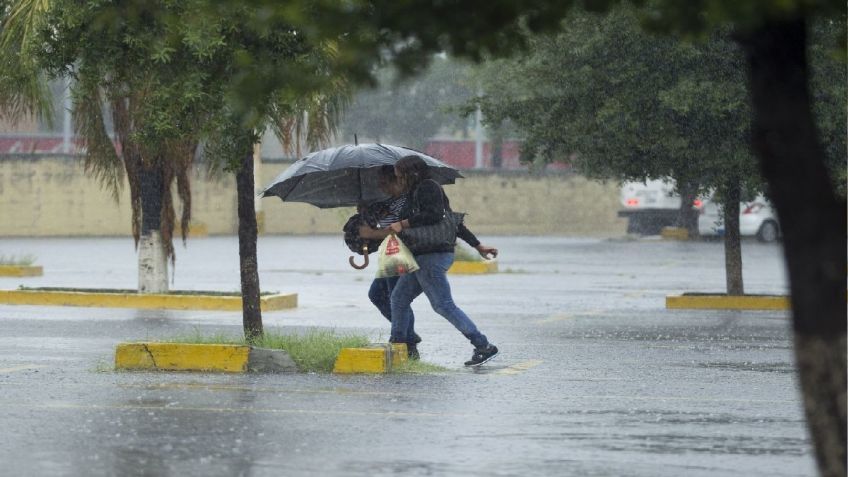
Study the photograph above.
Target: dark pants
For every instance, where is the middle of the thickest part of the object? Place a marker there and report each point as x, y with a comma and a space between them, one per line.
431, 279
380, 295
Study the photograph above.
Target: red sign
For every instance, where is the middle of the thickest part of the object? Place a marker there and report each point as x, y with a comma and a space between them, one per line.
392, 246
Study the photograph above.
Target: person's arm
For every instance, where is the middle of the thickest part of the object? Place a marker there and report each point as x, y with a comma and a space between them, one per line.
484, 250
466, 235
368, 232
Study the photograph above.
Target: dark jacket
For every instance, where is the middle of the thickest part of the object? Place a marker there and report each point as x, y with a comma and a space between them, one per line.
426, 205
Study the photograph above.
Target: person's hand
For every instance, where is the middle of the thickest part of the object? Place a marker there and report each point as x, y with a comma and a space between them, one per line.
365, 231
396, 227
485, 251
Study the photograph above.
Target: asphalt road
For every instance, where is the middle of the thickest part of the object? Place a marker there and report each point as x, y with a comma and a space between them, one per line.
596, 377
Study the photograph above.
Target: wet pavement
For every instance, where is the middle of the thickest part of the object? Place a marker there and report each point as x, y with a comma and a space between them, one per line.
596, 377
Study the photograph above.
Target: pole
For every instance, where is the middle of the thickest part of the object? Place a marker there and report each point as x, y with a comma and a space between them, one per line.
478, 139
66, 118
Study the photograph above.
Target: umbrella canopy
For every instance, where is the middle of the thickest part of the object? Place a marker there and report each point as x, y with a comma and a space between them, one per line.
347, 175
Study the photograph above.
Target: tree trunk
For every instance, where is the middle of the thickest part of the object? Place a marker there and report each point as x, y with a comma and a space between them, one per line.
247, 231
152, 259
732, 242
813, 220
687, 216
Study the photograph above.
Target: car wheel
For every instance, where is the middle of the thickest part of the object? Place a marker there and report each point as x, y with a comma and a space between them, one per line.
768, 232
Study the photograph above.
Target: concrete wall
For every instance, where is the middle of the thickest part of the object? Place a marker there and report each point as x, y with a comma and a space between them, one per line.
53, 196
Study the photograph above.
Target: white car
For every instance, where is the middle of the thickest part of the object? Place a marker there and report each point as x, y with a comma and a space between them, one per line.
756, 218
651, 205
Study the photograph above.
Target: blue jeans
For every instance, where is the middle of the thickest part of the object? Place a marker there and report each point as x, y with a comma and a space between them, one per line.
380, 295
432, 280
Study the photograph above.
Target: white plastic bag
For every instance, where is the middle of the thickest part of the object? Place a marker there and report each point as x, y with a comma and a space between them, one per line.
394, 258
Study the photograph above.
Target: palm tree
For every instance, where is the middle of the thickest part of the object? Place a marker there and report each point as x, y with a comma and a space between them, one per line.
152, 160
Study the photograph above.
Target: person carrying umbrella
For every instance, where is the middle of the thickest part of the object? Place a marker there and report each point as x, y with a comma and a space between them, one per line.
388, 212
426, 204
346, 176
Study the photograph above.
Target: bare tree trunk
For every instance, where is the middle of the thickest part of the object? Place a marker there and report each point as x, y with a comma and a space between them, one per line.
732, 241
813, 220
152, 259
247, 232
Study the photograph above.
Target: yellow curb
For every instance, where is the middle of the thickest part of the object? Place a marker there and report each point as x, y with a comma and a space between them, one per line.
376, 358
400, 354
724, 302
473, 268
135, 300
20, 271
182, 357
674, 233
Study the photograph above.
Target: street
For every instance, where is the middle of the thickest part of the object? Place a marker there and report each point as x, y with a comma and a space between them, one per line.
595, 376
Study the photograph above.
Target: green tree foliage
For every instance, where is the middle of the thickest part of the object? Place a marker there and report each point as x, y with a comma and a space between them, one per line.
829, 89
624, 104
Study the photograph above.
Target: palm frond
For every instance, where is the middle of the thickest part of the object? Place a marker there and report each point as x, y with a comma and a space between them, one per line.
120, 106
101, 158
312, 120
22, 22
23, 87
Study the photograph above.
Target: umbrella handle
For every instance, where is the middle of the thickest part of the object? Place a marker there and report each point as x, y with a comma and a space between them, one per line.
364, 264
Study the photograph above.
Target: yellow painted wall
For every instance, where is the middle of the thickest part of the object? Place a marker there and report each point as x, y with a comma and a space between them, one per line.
54, 197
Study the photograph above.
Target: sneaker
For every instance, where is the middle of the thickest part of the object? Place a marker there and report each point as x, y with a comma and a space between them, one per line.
412, 351
482, 355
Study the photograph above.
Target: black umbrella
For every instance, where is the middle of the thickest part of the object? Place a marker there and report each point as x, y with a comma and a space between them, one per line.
346, 175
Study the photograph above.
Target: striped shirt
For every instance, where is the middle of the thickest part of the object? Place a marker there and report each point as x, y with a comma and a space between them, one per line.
394, 206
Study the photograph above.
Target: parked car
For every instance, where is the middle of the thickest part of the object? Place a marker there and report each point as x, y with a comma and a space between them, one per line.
756, 219
649, 206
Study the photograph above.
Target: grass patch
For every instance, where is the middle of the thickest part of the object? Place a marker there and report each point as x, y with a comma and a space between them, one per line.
314, 351
419, 367
465, 254
14, 261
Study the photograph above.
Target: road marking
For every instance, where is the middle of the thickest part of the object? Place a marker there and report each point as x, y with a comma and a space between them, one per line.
519, 367
22, 368
566, 316
130, 407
